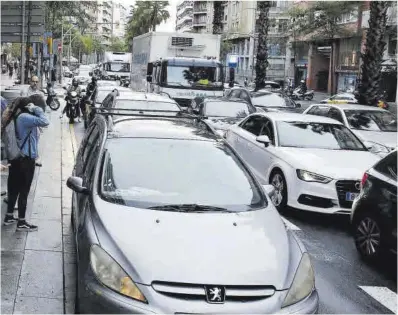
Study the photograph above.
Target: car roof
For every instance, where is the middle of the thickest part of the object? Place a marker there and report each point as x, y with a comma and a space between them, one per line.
155, 127
223, 99
142, 96
353, 107
286, 116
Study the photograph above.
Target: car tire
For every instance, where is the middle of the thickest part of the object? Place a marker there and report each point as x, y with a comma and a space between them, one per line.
368, 236
277, 179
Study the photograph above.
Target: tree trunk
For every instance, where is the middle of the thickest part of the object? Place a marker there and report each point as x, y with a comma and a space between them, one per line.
217, 17
370, 76
262, 48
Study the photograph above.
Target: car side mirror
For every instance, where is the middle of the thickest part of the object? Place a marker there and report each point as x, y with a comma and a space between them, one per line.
269, 190
76, 184
149, 78
264, 140
298, 105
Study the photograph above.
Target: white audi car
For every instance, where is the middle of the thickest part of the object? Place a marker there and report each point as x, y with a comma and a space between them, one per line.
315, 163
376, 127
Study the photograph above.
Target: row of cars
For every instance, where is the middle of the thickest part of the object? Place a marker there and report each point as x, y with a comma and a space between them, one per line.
174, 214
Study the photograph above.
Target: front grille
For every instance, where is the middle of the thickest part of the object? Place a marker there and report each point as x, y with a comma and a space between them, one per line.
192, 292
183, 102
344, 186
315, 201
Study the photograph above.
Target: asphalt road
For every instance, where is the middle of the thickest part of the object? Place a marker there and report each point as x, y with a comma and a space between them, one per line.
345, 284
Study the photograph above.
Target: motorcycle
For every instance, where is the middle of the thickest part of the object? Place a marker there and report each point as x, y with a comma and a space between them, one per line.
52, 100
72, 104
296, 95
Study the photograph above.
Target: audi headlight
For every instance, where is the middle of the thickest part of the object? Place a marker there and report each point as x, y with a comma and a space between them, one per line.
112, 275
303, 282
376, 147
312, 177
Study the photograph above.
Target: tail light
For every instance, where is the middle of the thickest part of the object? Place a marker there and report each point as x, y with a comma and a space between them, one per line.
364, 178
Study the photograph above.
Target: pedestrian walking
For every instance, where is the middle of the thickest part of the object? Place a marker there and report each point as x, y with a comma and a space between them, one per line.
27, 118
46, 69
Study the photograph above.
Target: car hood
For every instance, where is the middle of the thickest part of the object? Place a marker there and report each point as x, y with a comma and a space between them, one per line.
222, 123
388, 139
249, 248
337, 164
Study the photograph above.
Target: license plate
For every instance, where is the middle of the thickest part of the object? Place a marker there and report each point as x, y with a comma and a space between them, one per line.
350, 196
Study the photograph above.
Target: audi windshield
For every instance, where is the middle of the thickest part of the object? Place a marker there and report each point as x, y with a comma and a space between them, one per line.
371, 120
317, 136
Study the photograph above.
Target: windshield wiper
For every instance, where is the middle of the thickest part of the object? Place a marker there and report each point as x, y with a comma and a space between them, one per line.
190, 208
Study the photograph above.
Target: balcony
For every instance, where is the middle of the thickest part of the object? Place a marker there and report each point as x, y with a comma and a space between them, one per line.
186, 18
107, 4
185, 8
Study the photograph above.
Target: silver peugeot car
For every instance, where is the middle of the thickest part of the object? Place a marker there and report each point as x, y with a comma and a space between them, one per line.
169, 219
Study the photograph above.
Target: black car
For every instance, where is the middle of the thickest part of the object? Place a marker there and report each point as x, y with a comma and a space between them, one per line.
374, 211
220, 112
266, 100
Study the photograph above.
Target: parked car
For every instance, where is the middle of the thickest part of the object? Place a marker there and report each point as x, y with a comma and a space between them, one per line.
183, 197
341, 98
266, 100
315, 163
374, 214
376, 127
220, 112
67, 72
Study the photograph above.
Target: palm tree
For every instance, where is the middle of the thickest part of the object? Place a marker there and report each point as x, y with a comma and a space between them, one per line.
262, 48
217, 17
370, 76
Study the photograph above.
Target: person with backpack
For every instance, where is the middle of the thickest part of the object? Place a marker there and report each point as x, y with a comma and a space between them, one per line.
21, 138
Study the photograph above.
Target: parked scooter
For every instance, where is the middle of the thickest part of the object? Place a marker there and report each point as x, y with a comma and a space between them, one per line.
52, 100
296, 95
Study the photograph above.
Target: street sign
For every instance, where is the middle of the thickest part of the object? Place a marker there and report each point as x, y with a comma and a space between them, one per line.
12, 18
232, 61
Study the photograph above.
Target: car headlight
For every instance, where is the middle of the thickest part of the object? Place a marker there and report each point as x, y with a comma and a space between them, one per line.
112, 275
303, 282
376, 147
312, 177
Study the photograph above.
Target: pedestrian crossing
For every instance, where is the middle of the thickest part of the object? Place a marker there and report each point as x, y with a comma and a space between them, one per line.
383, 295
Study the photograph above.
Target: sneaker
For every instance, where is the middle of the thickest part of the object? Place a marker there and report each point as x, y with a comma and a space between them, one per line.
10, 219
24, 226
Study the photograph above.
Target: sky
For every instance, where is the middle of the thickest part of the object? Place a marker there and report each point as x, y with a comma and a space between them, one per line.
169, 25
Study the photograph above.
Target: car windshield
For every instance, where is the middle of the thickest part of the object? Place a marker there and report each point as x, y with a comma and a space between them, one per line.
194, 76
317, 136
371, 120
227, 109
161, 172
117, 67
271, 100
150, 105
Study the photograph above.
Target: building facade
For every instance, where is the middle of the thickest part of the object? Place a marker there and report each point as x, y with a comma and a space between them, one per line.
184, 16
119, 20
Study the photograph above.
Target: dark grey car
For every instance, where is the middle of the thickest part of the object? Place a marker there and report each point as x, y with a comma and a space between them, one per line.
168, 219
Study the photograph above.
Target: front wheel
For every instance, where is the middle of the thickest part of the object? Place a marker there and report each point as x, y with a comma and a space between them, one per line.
279, 199
54, 104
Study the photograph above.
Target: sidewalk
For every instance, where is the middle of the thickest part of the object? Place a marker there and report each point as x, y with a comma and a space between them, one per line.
38, 268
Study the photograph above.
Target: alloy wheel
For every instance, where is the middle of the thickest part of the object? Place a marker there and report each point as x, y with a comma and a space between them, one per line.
278, 183
368, 237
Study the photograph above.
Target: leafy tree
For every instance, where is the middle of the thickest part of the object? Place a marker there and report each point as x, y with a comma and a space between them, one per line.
117, 44
16, 49
262, 48
319, 22
145, 16
370, 76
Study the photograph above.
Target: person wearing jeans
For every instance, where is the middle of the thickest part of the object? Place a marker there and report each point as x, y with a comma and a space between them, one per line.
22, 169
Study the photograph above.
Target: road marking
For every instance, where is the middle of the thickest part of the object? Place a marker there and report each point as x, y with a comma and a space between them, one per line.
290, 225
73, 138
382, 295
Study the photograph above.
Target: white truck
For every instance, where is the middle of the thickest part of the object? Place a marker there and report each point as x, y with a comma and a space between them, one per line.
180, 65
116, 65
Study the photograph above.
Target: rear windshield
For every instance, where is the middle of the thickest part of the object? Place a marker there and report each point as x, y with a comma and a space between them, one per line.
371, 120
158, 172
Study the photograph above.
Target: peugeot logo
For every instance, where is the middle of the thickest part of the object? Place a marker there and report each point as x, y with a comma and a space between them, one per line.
215, 294
357, 185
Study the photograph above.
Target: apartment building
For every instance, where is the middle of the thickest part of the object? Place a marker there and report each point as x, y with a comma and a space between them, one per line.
104, 19
119, 20
184, 16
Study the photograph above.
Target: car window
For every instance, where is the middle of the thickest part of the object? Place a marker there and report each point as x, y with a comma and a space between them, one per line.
90, 146
268, 130
82, 148
388, 166
92, 161
202, 172
335, 114
371, 120
245, 96
253, 124
312, 110
317, 136
235, 93
320, 111
226, 109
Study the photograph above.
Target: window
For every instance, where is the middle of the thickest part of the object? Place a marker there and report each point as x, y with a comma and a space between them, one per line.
388, 166
141, 177
371, 120
253, 125
90, 146
92, 161
334, 113
268, 130
235, 93
245, 96
319, 111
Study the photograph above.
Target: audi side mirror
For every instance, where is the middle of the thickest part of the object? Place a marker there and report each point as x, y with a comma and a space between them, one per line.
76, 184
264, 140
